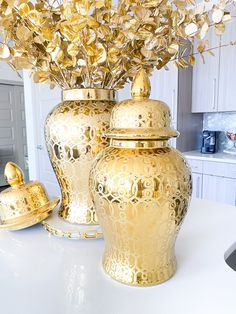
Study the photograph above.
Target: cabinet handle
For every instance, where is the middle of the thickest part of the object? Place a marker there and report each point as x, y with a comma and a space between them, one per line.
198, 187
39, 147
173, 105
214, 95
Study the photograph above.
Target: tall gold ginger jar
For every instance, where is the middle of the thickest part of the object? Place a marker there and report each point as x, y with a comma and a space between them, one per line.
73, 135
141, 189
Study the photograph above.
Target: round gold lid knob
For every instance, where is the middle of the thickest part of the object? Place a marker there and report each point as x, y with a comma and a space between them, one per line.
141, 87
13, 174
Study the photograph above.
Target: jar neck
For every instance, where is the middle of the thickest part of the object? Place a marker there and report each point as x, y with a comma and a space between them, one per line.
89, 94
138, 143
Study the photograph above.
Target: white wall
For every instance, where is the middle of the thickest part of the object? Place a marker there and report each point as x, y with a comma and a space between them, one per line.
30, 111
7, 75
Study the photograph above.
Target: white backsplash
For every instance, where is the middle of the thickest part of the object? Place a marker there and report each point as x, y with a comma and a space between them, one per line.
220, 121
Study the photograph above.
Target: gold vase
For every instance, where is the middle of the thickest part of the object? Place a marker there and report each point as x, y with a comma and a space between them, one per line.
73, 135
141, 189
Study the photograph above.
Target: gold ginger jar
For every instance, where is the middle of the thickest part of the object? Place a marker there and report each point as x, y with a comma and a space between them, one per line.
141, 189
23, 204
73, 136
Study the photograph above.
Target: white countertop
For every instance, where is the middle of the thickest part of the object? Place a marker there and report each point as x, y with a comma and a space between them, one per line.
219, 157
43, 274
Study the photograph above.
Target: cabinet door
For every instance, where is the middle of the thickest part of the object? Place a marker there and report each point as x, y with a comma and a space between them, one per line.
165, 88
197, 185
227, 78
219, 189
8, 129
13, 146
205, 78
39, 101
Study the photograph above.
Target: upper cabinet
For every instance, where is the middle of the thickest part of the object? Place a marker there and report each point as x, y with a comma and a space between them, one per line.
227, 77
214, 81
174, 87
165, 87
205, 78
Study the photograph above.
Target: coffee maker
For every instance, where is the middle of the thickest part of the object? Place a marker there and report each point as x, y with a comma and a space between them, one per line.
209, 142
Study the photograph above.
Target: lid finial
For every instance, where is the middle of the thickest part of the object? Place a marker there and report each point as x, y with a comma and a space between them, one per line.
141, 87
13, 174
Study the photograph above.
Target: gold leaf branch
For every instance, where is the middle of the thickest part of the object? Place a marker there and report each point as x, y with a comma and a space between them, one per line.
76, 44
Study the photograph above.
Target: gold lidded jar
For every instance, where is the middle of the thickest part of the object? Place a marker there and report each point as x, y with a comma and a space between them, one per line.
73, 136
23, 204
141, 189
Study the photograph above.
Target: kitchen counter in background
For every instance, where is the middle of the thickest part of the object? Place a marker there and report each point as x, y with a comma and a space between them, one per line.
45, 274
214, 176
218, 157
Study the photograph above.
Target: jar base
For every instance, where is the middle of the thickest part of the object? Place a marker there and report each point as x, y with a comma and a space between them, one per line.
62, 228
141, 277
79, 215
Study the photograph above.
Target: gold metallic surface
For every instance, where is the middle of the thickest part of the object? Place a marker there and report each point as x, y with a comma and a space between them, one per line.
89, 94
141, 118
23, 204
141, 193
61, 228
73, 135
137, 143
102, 44
32, 218
13, 174
141, 87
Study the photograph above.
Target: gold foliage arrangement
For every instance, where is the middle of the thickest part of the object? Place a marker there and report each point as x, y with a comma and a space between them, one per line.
91, 43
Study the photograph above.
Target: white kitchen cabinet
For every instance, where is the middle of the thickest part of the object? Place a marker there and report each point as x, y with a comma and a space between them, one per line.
214, 82
213, 178
165, 88
205, 78
195, 165
227, 77
197, 185
219, 189
174, 87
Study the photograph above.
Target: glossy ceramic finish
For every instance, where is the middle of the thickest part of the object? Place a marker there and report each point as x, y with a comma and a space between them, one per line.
141, 118
141, 188
23, 204
32, 218
42, 274
73, 135
141, 197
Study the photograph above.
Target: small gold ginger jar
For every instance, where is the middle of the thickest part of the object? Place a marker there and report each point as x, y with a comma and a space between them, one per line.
23, 204
141, 189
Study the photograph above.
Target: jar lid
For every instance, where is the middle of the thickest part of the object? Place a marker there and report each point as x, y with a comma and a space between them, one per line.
141, 117
23, 204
